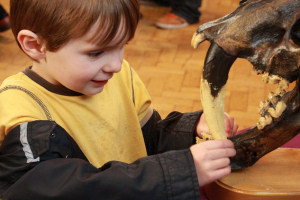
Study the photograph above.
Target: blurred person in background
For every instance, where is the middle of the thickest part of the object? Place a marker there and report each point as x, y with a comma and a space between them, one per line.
4, 19
183, 13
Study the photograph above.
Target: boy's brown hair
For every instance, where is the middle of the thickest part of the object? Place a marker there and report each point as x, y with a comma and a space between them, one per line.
59, 21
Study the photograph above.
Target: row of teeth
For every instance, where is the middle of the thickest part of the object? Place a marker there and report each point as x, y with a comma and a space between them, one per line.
273, 107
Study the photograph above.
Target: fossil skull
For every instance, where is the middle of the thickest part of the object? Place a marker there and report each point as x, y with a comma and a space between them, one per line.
266, 33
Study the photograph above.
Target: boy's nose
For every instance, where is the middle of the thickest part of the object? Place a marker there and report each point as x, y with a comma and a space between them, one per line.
113, 67
114, 64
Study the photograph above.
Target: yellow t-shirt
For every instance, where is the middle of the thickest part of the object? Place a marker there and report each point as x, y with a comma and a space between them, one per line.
106, 126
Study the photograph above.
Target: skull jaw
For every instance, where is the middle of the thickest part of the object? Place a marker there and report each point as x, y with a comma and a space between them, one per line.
254, 143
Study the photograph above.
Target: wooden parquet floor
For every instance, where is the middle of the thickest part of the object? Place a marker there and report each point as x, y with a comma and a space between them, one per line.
169, 66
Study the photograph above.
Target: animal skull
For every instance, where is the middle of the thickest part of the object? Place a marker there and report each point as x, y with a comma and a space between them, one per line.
267, 33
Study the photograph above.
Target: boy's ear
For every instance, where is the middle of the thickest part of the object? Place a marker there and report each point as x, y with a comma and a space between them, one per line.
32, 44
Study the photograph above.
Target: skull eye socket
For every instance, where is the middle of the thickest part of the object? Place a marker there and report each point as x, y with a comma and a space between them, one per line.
295, 33
267, 35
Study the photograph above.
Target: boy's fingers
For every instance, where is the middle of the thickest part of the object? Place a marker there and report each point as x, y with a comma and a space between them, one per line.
229, 123
231, 126
235, 128
222, 153
219, 173
219, 163
217, 144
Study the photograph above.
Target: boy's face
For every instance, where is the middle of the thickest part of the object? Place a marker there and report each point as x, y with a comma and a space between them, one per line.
81, 66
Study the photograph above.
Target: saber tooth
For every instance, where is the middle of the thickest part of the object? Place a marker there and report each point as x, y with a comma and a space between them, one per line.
212, 89
214, 110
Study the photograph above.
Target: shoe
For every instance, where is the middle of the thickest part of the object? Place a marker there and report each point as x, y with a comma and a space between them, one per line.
4, 24
171, 21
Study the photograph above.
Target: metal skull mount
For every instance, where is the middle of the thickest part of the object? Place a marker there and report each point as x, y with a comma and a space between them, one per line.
266, 33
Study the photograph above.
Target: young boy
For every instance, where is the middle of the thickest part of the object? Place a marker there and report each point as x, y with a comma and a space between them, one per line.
77, 124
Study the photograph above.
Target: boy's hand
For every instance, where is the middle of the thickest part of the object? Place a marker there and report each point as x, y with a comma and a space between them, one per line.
211, 160
231, 126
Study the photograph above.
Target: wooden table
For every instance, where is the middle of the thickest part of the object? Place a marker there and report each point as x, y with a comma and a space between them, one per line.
276, 176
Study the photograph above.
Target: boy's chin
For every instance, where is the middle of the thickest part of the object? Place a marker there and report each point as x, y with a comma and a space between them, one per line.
93, 91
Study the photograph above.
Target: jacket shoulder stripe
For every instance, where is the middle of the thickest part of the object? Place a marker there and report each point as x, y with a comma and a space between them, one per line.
25, 144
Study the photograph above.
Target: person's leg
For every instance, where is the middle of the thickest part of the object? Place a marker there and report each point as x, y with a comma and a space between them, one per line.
163, 2
4, 20
187, 9
3, 13
183, 13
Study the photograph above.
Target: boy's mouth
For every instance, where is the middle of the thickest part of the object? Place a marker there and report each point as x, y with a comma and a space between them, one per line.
100, 82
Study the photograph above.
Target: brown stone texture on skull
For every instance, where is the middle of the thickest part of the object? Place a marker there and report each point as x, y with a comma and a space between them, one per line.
267, 33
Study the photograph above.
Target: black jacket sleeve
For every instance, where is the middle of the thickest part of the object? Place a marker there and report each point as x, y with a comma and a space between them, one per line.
175, 132
39, 160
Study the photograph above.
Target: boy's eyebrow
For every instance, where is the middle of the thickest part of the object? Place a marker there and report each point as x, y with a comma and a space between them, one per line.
113, 44
120, 39
101, 48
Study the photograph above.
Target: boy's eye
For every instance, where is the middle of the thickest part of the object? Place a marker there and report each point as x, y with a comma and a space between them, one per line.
95, 54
